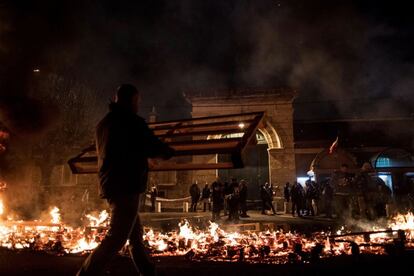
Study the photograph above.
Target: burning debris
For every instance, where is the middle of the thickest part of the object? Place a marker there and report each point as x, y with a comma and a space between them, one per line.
212, 244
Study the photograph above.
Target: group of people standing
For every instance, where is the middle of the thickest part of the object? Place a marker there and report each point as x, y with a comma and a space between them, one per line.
304, 200
345, 194
231, 197
360, 195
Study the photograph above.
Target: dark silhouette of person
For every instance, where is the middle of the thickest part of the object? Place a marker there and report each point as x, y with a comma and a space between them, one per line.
266, 194
205, 197
153, 194
243, 199
195, 196
310, 195
341, 182
217, 197
297, 195
328, 193
286, 192
227, 191
124, 142
382, 198
233, 200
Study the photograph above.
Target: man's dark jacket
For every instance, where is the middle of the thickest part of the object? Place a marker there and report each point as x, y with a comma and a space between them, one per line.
124, 143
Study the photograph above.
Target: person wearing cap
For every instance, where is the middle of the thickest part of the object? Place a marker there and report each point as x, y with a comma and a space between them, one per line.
124, 142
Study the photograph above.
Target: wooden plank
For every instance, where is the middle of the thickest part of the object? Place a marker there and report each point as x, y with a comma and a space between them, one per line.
93, 169
205, 143
192, 166
197, 143
204, 133
204, 118
212, 124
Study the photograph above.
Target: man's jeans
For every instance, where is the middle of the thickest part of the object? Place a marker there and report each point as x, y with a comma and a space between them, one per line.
125, 224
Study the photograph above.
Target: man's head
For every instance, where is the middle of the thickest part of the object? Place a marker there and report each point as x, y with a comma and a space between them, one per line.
128, 97
344, 168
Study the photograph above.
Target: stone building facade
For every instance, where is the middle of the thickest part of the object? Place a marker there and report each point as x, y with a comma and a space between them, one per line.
277, 127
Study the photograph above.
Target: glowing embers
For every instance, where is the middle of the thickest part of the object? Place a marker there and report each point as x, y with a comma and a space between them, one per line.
1, 207
212, 244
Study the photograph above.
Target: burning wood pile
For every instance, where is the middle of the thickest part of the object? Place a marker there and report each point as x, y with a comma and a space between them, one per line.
213, 244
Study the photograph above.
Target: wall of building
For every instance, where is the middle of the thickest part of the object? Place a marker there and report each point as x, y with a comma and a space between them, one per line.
278, 124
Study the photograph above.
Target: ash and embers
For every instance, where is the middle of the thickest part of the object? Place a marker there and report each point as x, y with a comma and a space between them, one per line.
212, 244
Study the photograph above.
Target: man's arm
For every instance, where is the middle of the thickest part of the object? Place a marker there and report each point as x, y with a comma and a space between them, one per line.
154, 146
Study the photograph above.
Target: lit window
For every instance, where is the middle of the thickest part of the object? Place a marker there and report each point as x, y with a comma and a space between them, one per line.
383, 162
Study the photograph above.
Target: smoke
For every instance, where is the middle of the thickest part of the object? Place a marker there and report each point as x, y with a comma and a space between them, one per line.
366, 225
334, 53
331, 53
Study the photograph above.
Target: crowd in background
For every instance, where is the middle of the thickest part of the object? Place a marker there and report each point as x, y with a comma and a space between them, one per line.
229, 197
342, 195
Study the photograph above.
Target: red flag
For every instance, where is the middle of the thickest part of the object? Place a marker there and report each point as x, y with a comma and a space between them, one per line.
334, 145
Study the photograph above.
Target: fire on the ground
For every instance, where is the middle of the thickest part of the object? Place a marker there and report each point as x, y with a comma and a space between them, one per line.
213, 244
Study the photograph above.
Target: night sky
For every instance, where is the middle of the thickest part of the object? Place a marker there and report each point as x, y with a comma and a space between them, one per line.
346, 58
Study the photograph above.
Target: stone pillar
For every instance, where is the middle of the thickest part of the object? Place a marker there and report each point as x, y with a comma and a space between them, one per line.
281, 168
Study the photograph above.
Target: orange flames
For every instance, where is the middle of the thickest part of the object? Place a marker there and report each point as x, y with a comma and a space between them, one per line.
213, 243
1, 207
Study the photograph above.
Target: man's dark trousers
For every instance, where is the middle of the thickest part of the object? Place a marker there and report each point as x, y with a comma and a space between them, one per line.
125, 224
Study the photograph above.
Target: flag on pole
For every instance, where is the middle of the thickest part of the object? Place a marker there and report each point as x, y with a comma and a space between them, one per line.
334, 145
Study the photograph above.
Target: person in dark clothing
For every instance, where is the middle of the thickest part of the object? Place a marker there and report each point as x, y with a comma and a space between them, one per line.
365, 189
286, 192
296, 195
263, 197
266, 194
383, 197
205, 197
328, 193
217, 198
227, 190
243, 199
270, 193
124, 143
153, 194
195, 196
342, 182
310, 194
233, 200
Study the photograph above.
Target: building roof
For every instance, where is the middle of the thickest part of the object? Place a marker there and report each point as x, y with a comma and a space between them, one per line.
219, 94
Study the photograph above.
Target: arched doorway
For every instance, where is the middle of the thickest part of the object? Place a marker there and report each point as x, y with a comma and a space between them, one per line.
396, 167
256, 166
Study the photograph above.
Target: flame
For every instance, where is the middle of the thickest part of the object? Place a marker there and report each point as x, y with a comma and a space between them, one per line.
1, 208
55, 214
101, 220
213, 243
403, 222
